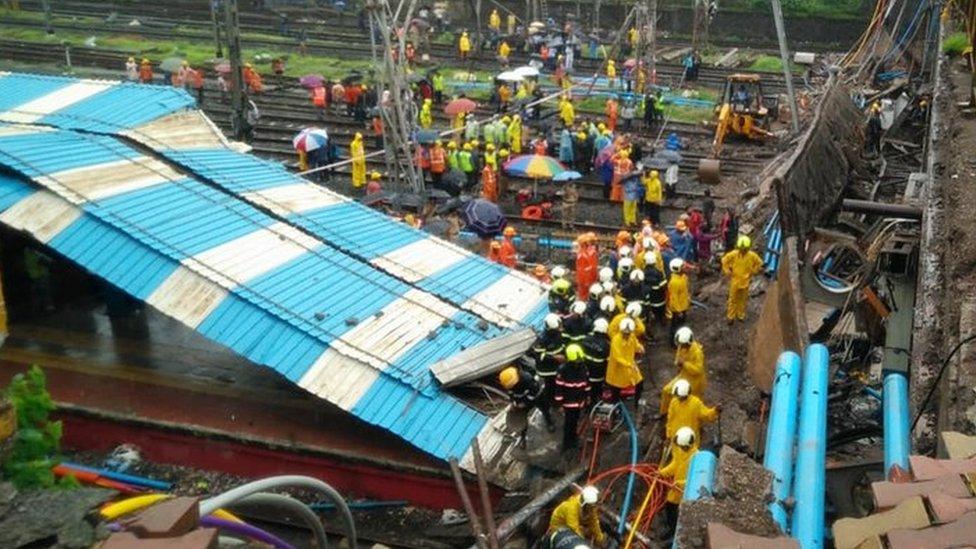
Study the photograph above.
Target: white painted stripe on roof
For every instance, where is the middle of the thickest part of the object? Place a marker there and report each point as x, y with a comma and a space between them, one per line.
34, 110
506, 301
100, 181
42, 214
419, 259
339, 379
11, 131
297, 198
187, 297
244, 258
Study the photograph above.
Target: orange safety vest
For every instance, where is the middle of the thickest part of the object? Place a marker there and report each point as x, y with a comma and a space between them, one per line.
422, 159
438, 160
197, 76
507, 255
318, 97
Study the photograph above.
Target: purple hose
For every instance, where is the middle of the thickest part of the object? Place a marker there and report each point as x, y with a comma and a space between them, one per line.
245, 529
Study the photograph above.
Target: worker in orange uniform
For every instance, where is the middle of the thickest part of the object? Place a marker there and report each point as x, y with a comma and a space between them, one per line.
438, 161
610, 109
495, 251
679, 296
587, 264
464, 45
145, 72
421, 157
622, 368
508, 255
622, 165
252, 79
687, 410
196, 82
541, 273
504, 97
358, 154
375, 184
579, 514
489, 184
682, 448
740, 266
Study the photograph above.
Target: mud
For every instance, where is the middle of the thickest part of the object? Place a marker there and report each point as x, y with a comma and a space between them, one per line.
741, 499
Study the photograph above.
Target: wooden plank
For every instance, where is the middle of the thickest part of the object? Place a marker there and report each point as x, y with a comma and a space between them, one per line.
721, 536
729, 59
946, 509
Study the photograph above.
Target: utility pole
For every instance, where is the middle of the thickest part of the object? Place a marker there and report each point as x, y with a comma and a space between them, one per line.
46, 5
238, 99
784, 55
214, 8
652, 38
398, 116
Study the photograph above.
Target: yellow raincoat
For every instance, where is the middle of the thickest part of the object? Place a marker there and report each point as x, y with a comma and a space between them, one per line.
679, 294
426, 117
566, 112
514, 134
495, 21
688, 412
653, 192
358, 155
622, 368
464, 44
677, 470
569, 514
614, 326
740, 267
690, 361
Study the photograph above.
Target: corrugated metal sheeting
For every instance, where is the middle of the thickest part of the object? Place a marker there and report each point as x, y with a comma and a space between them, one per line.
331, 323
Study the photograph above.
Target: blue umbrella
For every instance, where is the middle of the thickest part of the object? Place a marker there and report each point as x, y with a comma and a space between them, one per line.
484, 218
426, 137
568, 175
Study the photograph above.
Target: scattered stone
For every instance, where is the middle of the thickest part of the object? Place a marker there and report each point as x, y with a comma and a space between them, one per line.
36, 515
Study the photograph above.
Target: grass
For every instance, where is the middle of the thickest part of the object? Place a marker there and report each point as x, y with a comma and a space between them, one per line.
955, 44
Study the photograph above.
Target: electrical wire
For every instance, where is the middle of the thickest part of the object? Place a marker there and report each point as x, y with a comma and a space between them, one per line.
247, 530
297, 508
938, 378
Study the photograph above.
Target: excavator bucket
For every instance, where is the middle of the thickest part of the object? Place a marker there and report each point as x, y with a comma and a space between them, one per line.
709, 170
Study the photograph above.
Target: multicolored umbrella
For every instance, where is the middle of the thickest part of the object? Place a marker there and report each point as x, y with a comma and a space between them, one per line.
312, 81
463, 104
484, 218
310, 139
534, 166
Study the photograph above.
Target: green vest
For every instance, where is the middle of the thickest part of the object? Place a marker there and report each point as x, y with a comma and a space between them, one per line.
464, 160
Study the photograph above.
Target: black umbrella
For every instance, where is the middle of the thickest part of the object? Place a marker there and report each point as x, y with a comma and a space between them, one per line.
437, 227
386, 197
452, 182
410, 200
449, 206
437, 194
353, 77
484, 218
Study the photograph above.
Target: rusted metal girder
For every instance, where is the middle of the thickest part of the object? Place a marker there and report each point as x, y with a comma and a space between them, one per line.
880, 208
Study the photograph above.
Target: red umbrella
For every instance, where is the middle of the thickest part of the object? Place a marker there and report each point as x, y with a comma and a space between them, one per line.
464, 105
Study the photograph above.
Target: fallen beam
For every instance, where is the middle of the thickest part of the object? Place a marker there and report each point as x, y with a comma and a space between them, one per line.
880, 208
511, 523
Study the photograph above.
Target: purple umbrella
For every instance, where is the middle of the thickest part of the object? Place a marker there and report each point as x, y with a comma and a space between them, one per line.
603, 156
484, 218
311, 81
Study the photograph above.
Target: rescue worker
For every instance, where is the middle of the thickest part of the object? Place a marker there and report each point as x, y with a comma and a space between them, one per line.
611, 77
622, 166
548, 353
514, 134
510, 23
145, 71
740, 266
594, 295
625, 265
689, 360
579, 513
559, 272
494, 252
682, 241
489, 185
657, 298
426, 117
358, 155
572, 388
504, 50
541, 273
622, 368
687, 410
608, 305
596, 345
525, 391
466, 164
610, 109
509, 255
375, 185
632, 196
438, 161
464, 45
587, 263
682, 448
504, 97
679, 296
633, 289
495, 21
421, 158
566, 111
131, 70
559, 297
632, 311
576, 324
437, 82
653, 196
452, 156
491, 157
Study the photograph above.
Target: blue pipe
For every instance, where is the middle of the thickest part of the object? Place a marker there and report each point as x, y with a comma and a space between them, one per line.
809, 481
632, 476
700, 481
894, 400
781, 433
122, 477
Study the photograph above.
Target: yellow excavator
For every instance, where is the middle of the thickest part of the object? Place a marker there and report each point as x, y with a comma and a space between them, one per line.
743, 111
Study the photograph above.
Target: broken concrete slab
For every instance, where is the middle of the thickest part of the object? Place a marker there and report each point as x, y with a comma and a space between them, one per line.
41, 514
204, 538
958, 445
851, 532
947, 508
926, 468
960, 533
890, 494
721, 536
168, 519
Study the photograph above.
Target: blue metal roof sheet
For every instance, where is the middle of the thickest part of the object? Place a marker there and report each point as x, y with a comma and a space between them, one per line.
120, 107
359, 229
236, 172
467, 278
42, 153
18, 89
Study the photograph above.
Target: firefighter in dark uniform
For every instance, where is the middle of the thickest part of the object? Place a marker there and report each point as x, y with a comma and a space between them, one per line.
548, 352
596, 346
656, 285
524, 390
572, 390
559, 296
576, 324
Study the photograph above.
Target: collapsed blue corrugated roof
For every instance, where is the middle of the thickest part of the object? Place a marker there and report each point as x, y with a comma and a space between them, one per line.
337, 313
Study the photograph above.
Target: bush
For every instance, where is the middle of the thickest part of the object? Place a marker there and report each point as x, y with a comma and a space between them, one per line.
955, 44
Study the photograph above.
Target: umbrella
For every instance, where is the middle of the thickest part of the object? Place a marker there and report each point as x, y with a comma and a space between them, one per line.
526, 71
437, 227
425, 137
353, 77
460, 105
436, 194
452, 182
171, 64
310, 139
603, 156
510, 76
222, 67
382, 197
534, 166
568, 175
670, 156
484, 218
311, 81
630, 63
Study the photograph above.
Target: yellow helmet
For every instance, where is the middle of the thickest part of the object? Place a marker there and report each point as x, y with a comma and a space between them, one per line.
574, 353
489, 147
438, 142
654, 173
561, 286
468, 147
145, 60
451, 145
358, 135
474, 143
132, 60
506, 119
427, 101
503, 153
247, 65
508, 377
743, 243
375, 175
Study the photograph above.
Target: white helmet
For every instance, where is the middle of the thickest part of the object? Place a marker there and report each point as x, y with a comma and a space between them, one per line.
578, 307
558, 272
685, 437
637, 276
606, 274
601, 325
650, 257
553, 321
608, 304
681, 388
633, 309
624, 251
647, 242
625, 264
590, 495
628, 325
683, 336
596, 289
608, 287
676, 265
